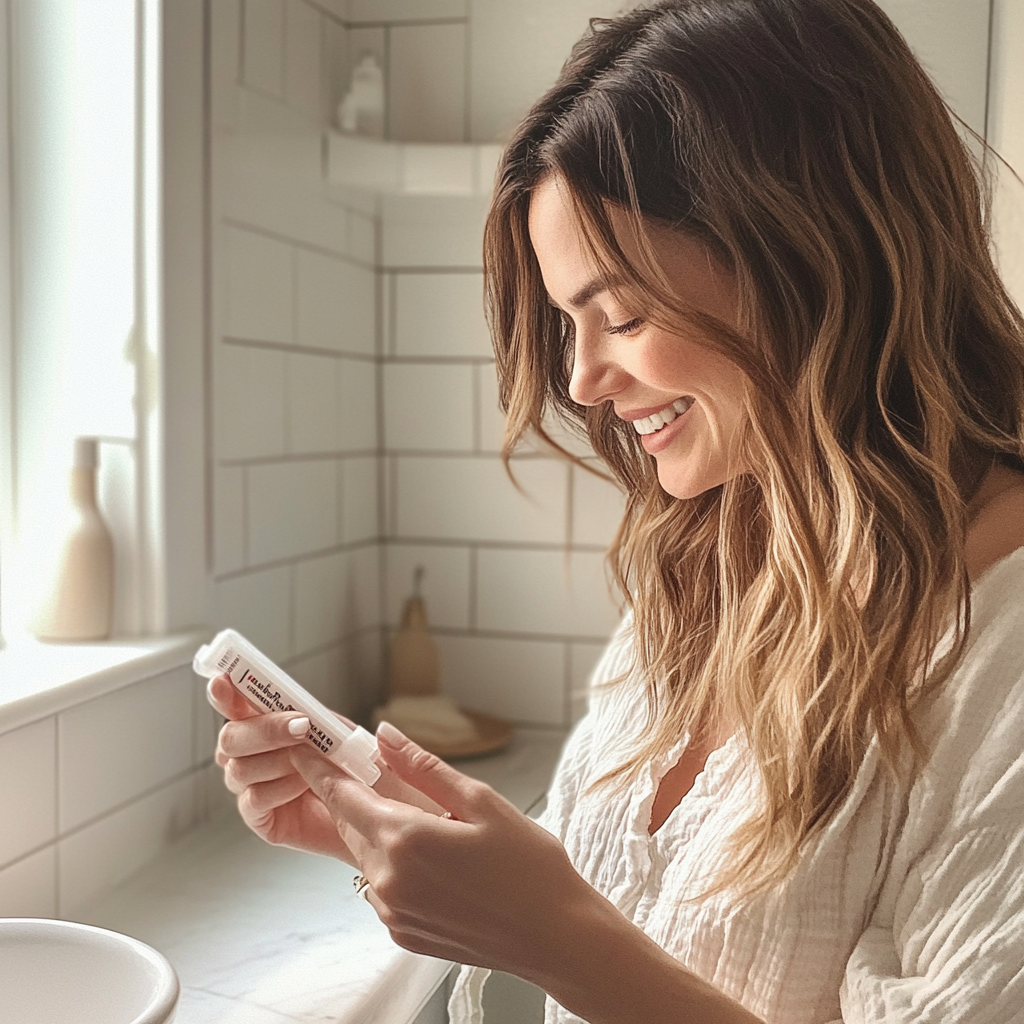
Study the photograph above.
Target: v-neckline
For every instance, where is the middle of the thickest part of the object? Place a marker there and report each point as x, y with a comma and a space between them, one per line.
698, 770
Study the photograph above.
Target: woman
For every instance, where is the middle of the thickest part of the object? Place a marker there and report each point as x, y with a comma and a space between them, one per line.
741, 246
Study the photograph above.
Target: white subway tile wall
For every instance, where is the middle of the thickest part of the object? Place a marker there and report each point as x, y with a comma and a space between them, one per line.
353, 438
438, 314
363, 433
297, 431
103, 787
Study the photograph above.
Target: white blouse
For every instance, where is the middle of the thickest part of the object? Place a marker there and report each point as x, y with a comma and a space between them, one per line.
909, 907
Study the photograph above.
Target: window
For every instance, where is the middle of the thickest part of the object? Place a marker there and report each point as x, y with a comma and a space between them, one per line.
71, 336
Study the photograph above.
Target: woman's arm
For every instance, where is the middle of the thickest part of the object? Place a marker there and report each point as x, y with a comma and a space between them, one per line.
494, 889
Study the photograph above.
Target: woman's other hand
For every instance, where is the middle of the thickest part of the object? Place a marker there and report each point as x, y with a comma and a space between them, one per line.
486, 887
255, 750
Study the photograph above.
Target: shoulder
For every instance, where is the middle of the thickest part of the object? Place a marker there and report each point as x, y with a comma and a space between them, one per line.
974, 727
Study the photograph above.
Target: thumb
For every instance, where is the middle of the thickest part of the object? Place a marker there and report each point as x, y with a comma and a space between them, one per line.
431, 776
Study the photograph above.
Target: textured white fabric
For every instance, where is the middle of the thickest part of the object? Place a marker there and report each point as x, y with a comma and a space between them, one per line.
910, 906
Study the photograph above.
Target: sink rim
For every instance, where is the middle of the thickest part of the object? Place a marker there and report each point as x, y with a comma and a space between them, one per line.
168, 989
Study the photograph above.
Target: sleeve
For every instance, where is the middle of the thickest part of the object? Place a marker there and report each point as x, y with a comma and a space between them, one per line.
945, 939
954, 948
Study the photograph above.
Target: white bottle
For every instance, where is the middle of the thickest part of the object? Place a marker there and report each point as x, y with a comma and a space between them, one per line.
361, 110
80, 605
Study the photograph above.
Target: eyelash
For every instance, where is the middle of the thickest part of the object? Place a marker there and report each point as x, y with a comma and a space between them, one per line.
627, 328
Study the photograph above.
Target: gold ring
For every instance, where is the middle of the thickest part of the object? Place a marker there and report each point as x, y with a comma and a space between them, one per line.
361, 884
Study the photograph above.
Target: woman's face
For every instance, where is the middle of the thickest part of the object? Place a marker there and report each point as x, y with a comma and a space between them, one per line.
683, 398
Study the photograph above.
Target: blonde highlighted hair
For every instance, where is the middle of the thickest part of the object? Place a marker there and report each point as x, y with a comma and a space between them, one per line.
801, 142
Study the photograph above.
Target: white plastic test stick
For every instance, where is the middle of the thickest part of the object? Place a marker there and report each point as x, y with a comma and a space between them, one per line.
269, 688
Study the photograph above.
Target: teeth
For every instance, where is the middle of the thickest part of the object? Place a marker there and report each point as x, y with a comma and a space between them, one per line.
657, 420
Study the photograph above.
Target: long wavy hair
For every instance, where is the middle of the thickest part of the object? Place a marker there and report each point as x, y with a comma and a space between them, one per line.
803, 601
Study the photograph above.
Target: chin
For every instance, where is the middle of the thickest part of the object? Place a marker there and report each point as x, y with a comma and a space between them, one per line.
683, 485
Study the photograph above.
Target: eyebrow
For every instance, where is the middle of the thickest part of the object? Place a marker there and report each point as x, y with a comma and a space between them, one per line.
585, 294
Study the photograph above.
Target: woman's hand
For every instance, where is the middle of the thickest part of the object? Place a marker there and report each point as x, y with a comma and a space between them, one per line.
487, 887
255, 750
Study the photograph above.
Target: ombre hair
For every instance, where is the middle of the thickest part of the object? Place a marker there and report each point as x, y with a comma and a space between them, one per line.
803, 601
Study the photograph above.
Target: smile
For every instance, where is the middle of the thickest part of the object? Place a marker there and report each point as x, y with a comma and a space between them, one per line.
653, 423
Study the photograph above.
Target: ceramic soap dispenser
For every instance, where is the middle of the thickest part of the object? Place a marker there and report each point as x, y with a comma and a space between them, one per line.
80, 605
361, 110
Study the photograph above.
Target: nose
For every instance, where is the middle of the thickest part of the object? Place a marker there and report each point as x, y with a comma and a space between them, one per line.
596, 375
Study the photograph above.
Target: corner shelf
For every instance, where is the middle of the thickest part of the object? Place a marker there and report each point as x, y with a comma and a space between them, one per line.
412, 168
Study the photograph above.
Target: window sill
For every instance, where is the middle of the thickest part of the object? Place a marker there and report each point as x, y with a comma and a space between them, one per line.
37, 679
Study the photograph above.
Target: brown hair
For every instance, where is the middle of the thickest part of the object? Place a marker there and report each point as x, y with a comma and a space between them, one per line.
803, 144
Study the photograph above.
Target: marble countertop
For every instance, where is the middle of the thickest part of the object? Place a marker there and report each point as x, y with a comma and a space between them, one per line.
264, 935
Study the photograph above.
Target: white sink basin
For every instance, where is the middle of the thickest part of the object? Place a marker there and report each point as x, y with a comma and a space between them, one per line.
59, 972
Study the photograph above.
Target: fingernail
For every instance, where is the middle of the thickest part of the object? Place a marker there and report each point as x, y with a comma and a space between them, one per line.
298, 726
390, 735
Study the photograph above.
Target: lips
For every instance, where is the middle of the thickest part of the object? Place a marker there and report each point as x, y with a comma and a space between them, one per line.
657, 420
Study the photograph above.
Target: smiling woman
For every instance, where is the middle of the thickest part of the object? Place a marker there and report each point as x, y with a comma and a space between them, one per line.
682, 397
741, 247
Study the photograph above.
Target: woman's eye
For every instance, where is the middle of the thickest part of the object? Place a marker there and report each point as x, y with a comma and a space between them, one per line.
627, 328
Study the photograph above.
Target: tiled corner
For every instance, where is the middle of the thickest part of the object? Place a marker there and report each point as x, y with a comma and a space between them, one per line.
325, 675
28, 888
426, 83
147, 725
365, 668
440, 314
556, 592
28, 809
360, 513
259, 287
472, 498
263, 37
432, 231
335, 304
363, 587
322, 596
248, 402
257, 604
357, 405
292, 509
312, 403
336, 596
428, 407
445, 587
521, 680
362, 239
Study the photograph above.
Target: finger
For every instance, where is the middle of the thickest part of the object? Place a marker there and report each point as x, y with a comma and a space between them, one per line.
464, 797
240, 772
221, 693
261, 733
258, 801
358, 811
